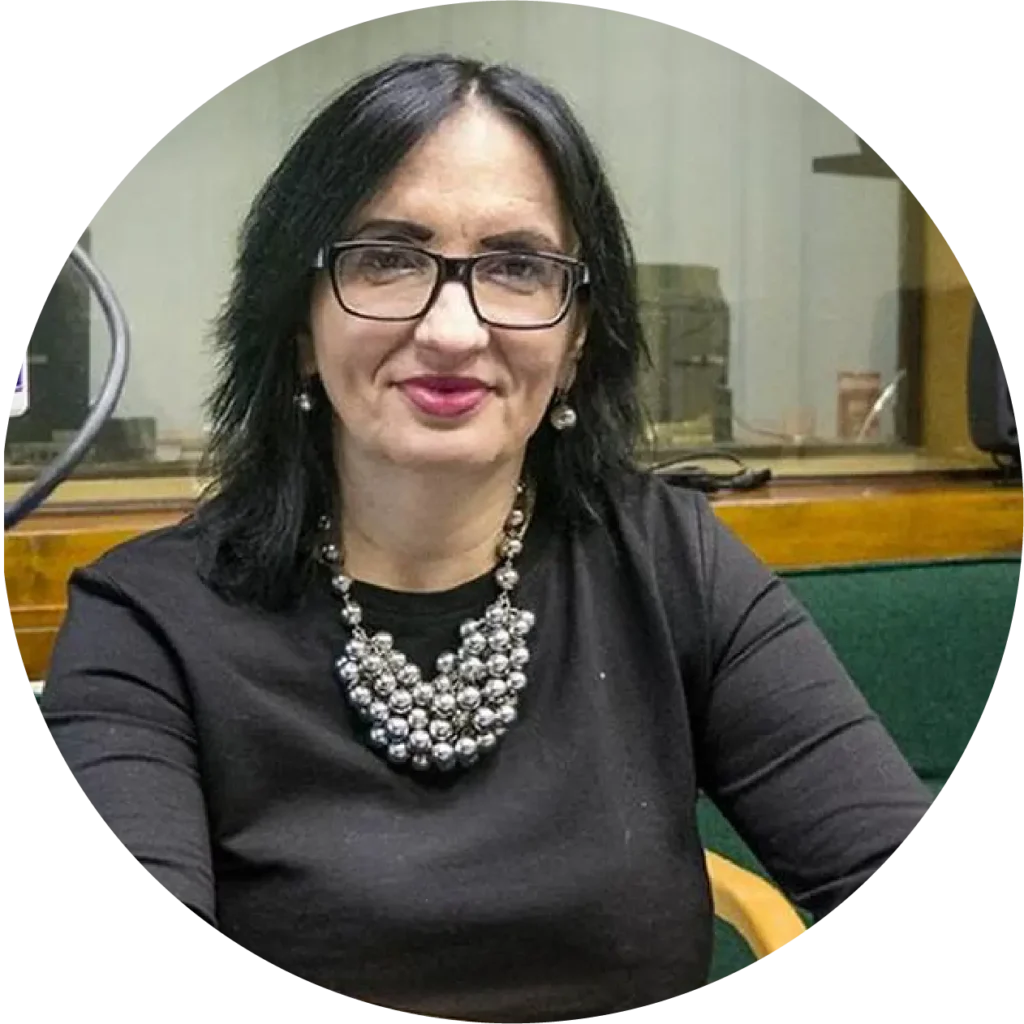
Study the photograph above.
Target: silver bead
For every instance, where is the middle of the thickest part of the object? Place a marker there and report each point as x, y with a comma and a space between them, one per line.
475, 643
341, 584
497, 664
516, 518
446, 663
499, 731
511, 547
486, 742
373, 664
423, 695
518, 657
496, 615
507, 714
409, 675
469, 698
495, 690
521, 625
517, 681
441, 730
499, 640
418, 718
351, 615
382, 642
445, 704
443, 756
483, 718
378, 736
421, 762
442, 684
400, 701
507, 577
355, 648
384, 685
398, 728
466, 749
330, 553
347, 670
379, 712
398, 753
304, 401
419, 741
323, 524
361, 696
471, 670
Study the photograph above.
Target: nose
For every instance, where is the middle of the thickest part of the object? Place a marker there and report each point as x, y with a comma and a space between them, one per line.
451, 325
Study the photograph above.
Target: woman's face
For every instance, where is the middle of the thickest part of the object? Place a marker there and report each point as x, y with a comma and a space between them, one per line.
477, 184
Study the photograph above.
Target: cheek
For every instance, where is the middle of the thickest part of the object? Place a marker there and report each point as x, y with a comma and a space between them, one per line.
536, 366
349, 353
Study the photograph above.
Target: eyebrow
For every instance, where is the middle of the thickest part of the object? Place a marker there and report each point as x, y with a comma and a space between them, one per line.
403, 228
524, 238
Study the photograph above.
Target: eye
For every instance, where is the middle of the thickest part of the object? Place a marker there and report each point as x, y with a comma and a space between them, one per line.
517, 266
386, 260
520, 270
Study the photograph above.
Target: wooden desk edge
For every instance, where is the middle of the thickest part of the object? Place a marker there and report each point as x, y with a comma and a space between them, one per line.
789, 526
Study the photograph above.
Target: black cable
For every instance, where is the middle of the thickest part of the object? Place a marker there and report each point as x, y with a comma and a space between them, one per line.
700, 453
682, 471
110, 392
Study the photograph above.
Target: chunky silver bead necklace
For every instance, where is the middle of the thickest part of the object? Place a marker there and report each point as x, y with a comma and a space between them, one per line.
464, 709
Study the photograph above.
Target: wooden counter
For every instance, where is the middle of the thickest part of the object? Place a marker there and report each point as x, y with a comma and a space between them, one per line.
789, 525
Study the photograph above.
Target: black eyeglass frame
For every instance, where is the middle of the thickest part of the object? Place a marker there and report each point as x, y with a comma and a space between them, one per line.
453, 268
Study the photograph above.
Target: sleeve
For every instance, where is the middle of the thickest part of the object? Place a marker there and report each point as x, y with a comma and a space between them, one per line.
119, 712
786, 746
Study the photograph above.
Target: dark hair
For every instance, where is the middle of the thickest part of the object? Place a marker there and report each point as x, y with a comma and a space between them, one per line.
271, 467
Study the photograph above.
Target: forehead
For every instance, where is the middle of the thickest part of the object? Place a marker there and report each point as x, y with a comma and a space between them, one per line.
476, 174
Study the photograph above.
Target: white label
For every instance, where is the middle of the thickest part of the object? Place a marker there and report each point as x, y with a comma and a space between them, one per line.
20, 404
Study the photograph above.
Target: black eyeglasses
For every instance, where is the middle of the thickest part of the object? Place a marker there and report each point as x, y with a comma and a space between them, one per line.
522, 290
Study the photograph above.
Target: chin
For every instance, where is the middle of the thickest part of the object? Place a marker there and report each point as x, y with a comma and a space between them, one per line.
448, 450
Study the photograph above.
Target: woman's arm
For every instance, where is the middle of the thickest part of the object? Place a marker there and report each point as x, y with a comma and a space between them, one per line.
119, 712
787, 747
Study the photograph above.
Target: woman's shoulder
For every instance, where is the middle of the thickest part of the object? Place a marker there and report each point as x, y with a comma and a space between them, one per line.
647, 487
658, 508
166, 559
662, 530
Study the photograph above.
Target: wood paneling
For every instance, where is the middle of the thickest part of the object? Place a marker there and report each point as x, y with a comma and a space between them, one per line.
40, 554
789, 525
828, 525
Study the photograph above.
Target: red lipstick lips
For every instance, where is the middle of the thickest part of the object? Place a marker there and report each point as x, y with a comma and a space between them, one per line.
445, 397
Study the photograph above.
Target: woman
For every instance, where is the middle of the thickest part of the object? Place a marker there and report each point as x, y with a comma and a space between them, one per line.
418, 704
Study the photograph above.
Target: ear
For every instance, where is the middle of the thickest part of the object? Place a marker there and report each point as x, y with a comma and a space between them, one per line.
572, 358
